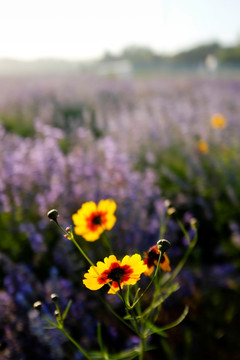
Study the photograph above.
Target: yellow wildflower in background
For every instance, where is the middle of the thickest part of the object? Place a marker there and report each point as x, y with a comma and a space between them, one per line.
203, 146
115, 272
218, 121
92, 220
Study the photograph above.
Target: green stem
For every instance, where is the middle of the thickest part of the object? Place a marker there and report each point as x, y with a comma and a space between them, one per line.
61, 228
135, 323
116, 315
71, 237
184, 231
106, 242
121, 294
182, 262
163, 227
81, 250
60, 327
75, 343
150, 283
142, 348
58, 309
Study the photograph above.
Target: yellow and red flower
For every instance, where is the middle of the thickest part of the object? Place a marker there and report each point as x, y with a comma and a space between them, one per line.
93, 219
151, 260
115, 273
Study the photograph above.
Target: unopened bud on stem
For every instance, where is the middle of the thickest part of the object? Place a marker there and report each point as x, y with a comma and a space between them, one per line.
38, 305
171, 210
163, 245
167, 203
54, 297
193, 223
53, 215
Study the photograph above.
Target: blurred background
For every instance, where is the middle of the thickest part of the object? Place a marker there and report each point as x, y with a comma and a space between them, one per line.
138, 101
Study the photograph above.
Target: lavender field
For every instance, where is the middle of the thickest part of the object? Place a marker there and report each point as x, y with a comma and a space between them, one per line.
69, 139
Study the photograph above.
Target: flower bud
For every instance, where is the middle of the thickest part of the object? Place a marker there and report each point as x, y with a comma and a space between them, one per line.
54, 297
163, 245
52, 215
193, 223
171, 210
56, 313
167, 203
38, 305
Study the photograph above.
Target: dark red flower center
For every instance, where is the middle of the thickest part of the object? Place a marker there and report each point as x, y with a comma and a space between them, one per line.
96, 219
116, 273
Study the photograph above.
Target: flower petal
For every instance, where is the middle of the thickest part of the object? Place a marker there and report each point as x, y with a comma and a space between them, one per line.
107, 205
92, 235
92, 283
165, 265
149, 271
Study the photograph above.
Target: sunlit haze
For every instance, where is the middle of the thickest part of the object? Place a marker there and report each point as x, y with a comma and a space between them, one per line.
77, 29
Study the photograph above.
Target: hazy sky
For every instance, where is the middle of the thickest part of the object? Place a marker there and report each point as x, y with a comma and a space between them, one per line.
83, 29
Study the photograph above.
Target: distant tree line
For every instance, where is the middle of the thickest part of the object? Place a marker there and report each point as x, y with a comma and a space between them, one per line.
144, 56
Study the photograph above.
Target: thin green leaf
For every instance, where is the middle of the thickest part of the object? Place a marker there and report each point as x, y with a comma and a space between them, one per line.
161, 299
130, 354
104, 353
49, 327
99, 336
136, 295
66, 310
115, 314
182, 262
184, 231
127, 296
156, 330
127, 354
130, 317
50, 322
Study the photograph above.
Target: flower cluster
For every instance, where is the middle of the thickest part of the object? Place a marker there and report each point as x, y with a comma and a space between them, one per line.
91, 221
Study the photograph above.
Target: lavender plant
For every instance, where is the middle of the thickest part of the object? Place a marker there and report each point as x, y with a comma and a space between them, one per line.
150, 132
